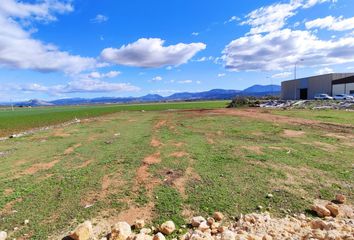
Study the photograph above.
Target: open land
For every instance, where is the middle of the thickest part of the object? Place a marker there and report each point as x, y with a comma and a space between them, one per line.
169, 165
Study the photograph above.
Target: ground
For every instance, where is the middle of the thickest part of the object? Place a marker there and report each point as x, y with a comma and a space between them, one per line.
173, 164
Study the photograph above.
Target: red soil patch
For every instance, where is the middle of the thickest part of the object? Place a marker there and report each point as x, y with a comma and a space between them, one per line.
133, 213
8, 191
40, 166
178, 154
179, 144
255, 149
155, 142
71, 149
153, 159
9, 206
60, 133
292, 133
160, 124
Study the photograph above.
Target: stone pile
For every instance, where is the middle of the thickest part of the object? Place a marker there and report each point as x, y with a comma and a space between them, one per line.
308, 104
335, 222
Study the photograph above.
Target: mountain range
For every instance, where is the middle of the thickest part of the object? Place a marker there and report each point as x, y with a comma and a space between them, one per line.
215, 94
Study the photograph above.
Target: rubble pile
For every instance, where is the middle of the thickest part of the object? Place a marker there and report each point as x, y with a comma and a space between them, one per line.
308, 104
335, 221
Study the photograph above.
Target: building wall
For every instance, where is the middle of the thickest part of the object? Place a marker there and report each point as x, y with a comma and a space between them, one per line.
320, 84
345, 88
290, 90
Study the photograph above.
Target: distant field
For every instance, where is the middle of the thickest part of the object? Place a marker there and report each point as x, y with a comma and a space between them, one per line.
331, 116
161, 165
26, 118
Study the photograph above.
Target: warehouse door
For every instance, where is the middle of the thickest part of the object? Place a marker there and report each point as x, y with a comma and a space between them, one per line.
303, 93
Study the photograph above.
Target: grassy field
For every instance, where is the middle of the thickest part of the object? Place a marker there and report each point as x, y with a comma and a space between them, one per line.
172, 165
331, 116
26, 118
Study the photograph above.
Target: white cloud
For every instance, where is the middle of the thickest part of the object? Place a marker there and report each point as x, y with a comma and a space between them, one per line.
99, 19
195, 33
324, 71
232, 19
332, 23
20, 51
281, 49
204, 59
76, 86
273, 17
157, 78
97, 75
185, 81
150, 53
198, 82
282, 75
220, 75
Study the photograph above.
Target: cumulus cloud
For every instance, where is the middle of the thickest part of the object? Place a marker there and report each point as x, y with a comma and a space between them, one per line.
151, 53
324, 71
99, 18
273, 17
98, 75
332, 23
282, 75
157, 78
282, 49
20, 51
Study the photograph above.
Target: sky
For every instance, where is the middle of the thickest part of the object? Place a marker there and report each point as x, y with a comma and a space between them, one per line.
52, 49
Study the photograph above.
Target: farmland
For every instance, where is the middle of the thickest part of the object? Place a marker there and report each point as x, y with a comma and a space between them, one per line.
161, 165
26, 118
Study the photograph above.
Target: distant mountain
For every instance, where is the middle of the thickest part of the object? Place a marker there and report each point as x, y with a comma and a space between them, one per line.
262, 89
215, 94
34, 103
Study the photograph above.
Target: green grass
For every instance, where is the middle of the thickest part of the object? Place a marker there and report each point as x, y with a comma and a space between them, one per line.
229, 164
331, 116
27, 118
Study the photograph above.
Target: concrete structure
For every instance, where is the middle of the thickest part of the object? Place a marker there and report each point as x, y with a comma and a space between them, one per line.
307, 88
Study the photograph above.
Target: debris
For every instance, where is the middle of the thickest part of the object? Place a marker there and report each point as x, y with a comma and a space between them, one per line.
83, 232
307, 104
218, 216
269, 195
26, 222
3, 235
196, 221
167, 227
320, 210
121, 231
340, 198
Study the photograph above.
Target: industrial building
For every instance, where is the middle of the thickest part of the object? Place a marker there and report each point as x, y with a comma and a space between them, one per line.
307, 88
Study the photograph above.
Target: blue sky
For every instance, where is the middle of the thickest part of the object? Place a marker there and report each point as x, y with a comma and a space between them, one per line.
53, 49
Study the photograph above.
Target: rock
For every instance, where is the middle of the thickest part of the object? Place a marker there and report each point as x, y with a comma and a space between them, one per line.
139, 224
267, 237
26, 222
340, 198
211, 221
159, 236
318, 224
203, 226
218, 216
196, 221
121, 231
83, 232
333, 208
167, 227
146, 230
259, 207
320, 210
228, 235
142, 236
269, 195
3, 235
